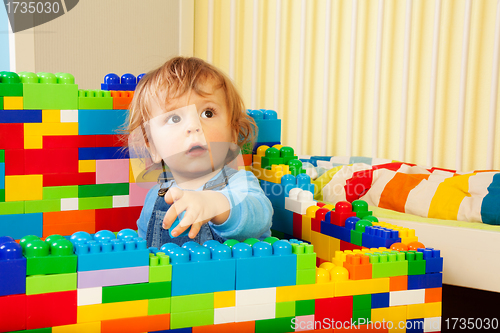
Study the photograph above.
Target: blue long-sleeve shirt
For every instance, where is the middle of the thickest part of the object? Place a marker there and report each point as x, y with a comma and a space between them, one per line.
250, 213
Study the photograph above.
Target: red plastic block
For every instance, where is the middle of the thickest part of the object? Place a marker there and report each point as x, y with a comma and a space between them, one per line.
243, 327
335, 309
319, 261
121, 99
116, 219
359, 267
51, 309
14, 162
343, 210
66, 179
136, 324
51, 161
69, 141
11, 136
316, 221
247, 159
297, 225
13, 313
320, 204
111, 140
348, 246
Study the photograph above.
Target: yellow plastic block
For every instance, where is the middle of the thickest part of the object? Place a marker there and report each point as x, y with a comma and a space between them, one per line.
51, 129
99, 312
334, 245
361, 287
261, 151
33, 142
137, 172
324, 290
13, 103
23, 188
224, 299
274, 175
51, 116
245, 167
424, 310
94, 327
295, 293
306, 228
395, 317
321, 245
86, 166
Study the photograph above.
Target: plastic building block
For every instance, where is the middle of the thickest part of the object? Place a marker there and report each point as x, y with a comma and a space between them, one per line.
335, 231
263, 265
406, 297
2, 156
338, 309
274, 192
388, 264
433, 295
95, 203
433, 260
69, 116
122, 99
224, 299
51, 309
13, 310
102, 153
299, 200
305, 307
12, 268
2, 176
398, 283
268, 124
88, 296
2, 195
282, 220
112, 171
1, 103
126, 82
343, 210
159, 306
20, 225
362, 302
361, 287
271, 157
136, 324
110, 311
104, 251
160, 269
117, 218
358, 230
135, 292
431, 280
379, 237
192, 310
68, 179
10, 84
49, 92
113, 277
41, 284
95, 99
359, 267
425, 310
109, 121
51, 161
380, 300
274, 175
20, 116
69, 141
416, 262
285, 309
277, 325
11, 137
415, 325
90, 191
87, 166
13, 103
51, 116
193, 260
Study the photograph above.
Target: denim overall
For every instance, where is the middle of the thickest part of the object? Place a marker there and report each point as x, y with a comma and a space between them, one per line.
156, 236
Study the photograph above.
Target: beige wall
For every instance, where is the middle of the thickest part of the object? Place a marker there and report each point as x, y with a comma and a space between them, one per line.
99, 37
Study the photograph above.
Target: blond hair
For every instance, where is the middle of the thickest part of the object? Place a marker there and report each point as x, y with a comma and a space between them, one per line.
182, 75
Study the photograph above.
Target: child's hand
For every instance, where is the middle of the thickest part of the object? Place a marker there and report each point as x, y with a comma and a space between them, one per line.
200, 207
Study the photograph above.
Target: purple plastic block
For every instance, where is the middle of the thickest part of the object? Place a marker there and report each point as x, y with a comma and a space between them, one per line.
113, 277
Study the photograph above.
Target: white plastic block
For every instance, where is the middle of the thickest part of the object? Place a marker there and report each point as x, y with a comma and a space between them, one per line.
88, 296
224, 315
69, 204
432, 324
255, 312
299, 200
69, 116
255, 296
120, 201
407, 297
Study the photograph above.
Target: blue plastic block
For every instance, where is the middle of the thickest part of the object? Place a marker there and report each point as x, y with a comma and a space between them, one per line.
106, 251
102, 153
12, 267
200, 269
425, 281
415, 325
177, 330
100, 122
264, 266
127, 82
269, 125
20, 116
19, 225
379, 237
433, 260
275, 193
2, 176
283, 220
335, 231
380, 300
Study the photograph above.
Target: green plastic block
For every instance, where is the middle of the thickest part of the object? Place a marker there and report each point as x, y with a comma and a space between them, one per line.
278, 325
47, 91
388, 264
191, 319
40, 330
356, 237
60, 192
10, 84
40, 284
11, 207
1, 103
305, 308
136, 292
306, 276
416, 263
95, 100
306, 258
188, 303
361, 317
42, 206
285, 309
102, 190
95, 203
362, 302
51, 265
277, 234
2, 155
159, 267
158, 306
2, 197
52, 256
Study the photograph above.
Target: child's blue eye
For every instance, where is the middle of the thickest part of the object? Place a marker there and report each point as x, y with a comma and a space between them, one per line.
207, 114
174, 119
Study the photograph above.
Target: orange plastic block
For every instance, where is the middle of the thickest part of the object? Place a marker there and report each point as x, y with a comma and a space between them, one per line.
247, 159
398, 283
121, 99
359, 267
68, 222
243, 327
136, 324
433, 295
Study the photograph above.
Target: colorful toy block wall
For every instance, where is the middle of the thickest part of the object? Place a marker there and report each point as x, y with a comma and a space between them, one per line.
62, 165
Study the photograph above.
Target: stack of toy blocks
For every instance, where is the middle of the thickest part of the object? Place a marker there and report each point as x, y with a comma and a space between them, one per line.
64, 166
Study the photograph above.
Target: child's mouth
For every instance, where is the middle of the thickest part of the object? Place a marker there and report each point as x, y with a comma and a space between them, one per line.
196, 150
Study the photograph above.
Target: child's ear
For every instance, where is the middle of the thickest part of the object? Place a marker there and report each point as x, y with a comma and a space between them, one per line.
152, 151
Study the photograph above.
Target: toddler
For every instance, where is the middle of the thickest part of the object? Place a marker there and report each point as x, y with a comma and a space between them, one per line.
193, 123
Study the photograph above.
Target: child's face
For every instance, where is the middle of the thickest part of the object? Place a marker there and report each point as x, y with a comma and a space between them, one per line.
192, 133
